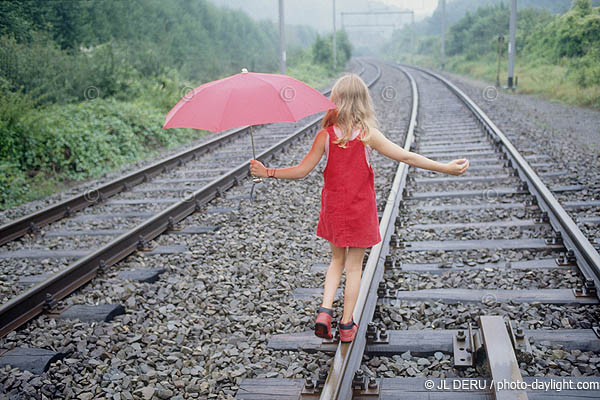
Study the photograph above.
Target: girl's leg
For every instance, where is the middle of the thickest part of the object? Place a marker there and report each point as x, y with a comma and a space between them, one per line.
353, 266
334, 274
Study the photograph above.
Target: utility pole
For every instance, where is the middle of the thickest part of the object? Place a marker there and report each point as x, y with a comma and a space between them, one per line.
334, 44
511, 43
281, 38
412, 38
443, 33
500, 48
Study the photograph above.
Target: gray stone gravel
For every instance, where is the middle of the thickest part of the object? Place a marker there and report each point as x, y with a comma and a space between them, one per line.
487, 278
548, 360
205, 324
479, 256
400, 314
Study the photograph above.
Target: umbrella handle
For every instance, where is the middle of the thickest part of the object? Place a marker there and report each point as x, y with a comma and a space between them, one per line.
255, 179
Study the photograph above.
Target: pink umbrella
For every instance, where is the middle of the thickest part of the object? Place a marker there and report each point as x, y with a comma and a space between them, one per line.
246, 98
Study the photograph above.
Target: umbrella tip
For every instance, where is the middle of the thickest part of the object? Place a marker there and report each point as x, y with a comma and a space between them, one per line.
244, 71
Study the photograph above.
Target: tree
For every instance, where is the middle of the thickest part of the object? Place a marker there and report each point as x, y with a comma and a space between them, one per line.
582, 7
322, 53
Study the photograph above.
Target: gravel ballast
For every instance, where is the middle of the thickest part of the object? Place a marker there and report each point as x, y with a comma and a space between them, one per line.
205, 324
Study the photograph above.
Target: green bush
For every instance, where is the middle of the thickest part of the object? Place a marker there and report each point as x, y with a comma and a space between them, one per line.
52, 75
89, 138
586, 70
571, 35
322, 49
14, 184
13, 133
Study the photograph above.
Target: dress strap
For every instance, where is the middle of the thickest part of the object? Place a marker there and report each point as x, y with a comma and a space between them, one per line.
329, 130
338, 132
332, 131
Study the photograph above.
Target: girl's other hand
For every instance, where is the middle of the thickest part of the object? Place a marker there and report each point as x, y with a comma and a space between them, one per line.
258, 169
458, 167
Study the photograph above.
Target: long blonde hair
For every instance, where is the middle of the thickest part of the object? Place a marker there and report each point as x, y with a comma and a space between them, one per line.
354, 109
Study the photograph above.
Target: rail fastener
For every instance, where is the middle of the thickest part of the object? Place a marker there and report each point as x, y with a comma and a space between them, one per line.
566, 258
364, 386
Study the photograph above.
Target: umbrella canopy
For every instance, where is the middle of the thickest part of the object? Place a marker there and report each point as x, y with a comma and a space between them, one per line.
246, 98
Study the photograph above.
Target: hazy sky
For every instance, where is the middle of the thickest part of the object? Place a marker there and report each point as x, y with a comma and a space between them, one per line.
419, 6
317, 13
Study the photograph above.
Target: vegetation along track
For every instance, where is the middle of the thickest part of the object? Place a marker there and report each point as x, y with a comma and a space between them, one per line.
480, 278
127, 214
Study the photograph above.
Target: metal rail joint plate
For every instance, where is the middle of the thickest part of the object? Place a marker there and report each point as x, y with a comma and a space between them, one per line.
508, 384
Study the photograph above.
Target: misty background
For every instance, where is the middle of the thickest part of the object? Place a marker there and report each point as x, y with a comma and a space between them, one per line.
317, 15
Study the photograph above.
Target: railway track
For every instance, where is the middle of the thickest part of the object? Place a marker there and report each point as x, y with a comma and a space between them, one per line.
225, 311
63, 246
483, 285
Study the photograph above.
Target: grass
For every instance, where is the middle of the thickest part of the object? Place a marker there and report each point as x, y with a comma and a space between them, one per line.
315, 75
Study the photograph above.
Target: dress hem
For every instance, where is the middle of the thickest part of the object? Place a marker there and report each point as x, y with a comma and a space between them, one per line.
351, 244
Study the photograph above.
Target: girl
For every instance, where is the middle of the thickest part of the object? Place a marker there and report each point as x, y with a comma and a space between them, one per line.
348, 217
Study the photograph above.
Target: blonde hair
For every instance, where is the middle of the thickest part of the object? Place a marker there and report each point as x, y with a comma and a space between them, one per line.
354, 109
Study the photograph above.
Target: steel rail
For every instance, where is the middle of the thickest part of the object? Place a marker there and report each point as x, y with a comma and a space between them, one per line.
588, 259
19, 227
348, 356
44, 295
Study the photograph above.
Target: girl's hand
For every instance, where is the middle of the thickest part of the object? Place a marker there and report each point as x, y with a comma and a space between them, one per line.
458, 167
258, 169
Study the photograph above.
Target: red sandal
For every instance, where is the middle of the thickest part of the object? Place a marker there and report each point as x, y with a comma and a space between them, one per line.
323, 323
347, 331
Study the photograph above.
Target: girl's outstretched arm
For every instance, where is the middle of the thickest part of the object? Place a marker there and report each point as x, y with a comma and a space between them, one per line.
307, 164
390, 149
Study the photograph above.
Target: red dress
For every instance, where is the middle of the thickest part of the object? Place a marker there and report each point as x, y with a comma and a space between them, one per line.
348, 208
